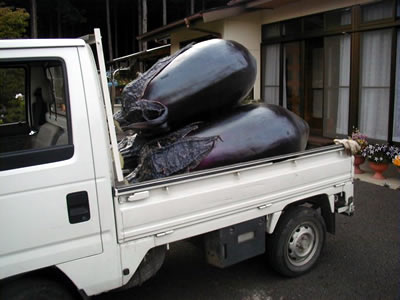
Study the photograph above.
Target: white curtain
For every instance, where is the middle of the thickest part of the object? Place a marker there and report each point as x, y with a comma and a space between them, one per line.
336, 85
271, 74
375, 83
396, 123
284, 93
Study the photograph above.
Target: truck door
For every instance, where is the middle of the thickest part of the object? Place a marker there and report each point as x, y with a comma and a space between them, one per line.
48, 202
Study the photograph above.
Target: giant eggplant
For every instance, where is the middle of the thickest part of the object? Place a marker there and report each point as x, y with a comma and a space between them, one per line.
198, 81
253, 132
249, 132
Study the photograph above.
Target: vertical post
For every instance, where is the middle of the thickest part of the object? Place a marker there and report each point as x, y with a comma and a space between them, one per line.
34, 33
59, 21
164, 7
107, 104
109, 34
115, 17
140, 17
144, 21
192, 7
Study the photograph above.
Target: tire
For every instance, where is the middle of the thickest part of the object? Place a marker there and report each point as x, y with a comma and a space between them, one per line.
296, 244
35, 289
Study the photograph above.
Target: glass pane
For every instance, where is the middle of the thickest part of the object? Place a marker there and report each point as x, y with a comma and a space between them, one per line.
374, 112
338, 19
271, 64
56, 79
291, 27
317, 108
396, 124
271, 95
292, 77
271, 58
398, 9
317, 68
271, 31
336, 85
375, 83
314, 23
12, 95
378, 11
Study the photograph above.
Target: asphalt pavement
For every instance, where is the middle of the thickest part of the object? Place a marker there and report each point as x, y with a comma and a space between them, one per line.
362, 261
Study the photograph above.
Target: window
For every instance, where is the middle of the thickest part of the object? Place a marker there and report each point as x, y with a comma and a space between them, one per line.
34, 120
292, 77
271, 31
271, 74
377, 11
336, 85
375, 83
314, 23
292, 27
337, 19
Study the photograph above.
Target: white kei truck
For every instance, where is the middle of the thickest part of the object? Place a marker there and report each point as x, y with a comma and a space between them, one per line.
71, 227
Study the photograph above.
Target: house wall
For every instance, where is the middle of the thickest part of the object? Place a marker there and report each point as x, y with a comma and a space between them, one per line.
246, 30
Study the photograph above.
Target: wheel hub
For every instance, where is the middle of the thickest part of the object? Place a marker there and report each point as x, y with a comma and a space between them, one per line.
301, 245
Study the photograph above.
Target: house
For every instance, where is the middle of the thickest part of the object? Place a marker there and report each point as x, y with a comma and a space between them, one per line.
333, 62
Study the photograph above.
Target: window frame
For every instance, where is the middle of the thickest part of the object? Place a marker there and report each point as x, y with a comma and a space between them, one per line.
33, 157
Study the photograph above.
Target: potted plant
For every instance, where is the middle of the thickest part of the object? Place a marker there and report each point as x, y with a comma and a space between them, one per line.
379, 156
361, 140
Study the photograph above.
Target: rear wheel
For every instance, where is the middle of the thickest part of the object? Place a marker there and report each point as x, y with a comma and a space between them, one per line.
296, 244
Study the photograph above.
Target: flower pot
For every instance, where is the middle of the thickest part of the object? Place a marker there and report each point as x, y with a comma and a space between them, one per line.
378, 169
358, 160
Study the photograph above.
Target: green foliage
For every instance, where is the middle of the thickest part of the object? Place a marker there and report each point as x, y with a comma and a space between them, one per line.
13, 22
12, 100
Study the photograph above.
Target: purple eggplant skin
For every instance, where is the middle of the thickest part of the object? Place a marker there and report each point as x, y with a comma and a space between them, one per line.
254, 132
209, 76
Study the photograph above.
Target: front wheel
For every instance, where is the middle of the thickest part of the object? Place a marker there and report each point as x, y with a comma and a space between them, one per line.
294, 247
35, 289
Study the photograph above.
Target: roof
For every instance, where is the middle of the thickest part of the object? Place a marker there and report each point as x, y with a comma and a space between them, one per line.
40, 43
233, 8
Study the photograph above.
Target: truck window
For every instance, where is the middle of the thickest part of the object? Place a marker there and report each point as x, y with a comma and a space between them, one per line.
34, 115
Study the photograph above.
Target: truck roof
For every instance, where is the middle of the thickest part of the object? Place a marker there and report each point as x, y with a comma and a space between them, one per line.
41, 43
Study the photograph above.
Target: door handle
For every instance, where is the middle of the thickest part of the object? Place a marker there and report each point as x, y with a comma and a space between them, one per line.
78, 207
138, 196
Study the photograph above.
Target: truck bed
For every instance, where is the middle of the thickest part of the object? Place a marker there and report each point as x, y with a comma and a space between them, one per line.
228, 195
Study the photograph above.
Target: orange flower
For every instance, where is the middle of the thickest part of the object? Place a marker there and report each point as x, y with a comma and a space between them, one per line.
396, 161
